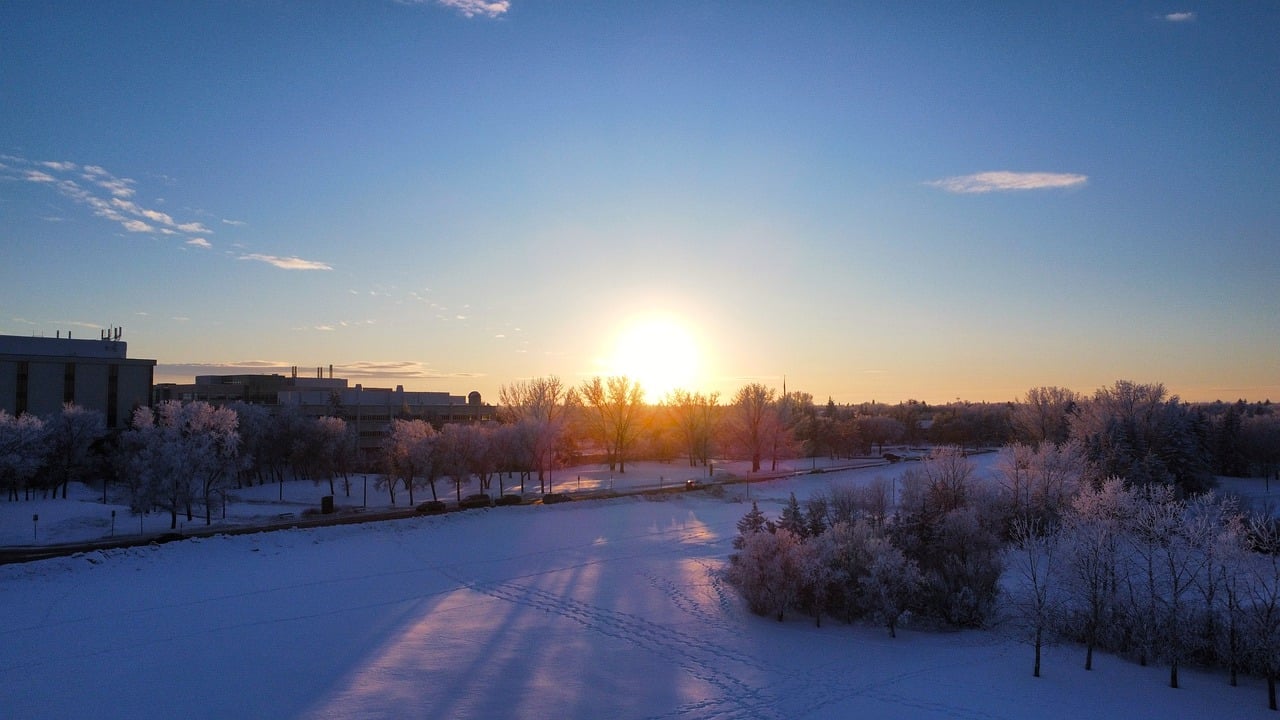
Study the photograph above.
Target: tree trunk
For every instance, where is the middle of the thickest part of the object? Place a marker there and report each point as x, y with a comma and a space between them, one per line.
1036, 671
173, 518
1271, 690
1088, 656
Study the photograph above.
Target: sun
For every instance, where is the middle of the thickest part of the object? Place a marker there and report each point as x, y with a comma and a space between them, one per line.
660, 352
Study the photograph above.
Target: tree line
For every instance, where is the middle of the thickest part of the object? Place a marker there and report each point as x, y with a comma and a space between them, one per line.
1131, 430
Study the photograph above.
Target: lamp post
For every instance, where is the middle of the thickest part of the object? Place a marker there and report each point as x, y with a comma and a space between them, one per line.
35, 533
113, 523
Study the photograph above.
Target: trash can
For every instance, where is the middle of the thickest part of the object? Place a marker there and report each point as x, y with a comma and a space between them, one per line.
326, 504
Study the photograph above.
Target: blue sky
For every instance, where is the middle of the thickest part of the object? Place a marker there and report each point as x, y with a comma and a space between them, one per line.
878, 201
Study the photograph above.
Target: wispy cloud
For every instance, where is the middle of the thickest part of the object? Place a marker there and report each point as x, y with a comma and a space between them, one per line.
236, 223
1006, 181
1179, 17
200, 243
287, 263
108, 196
404, 369
469, 8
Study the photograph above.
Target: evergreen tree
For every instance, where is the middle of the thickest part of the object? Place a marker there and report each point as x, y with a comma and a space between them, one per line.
750, 524
793, 520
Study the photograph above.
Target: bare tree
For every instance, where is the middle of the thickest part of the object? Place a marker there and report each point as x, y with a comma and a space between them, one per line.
694, 417
1043, 415
751, 420
881, 429
612, 407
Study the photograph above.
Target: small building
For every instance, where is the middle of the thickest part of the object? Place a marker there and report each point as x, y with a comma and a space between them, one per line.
39, 374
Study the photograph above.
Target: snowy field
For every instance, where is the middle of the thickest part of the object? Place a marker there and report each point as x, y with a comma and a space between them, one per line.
581, 610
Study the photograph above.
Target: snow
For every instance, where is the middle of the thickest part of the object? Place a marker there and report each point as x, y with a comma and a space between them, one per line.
590, 609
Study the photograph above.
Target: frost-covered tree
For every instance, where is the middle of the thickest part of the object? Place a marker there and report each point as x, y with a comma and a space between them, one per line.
1222, 584
1093, 530
183, 453
1039, 482
1036, 597
334, 448
409, 449
769, 571
1262, 603
846, 546
72, 434
1142, 434
819, 576
462, 452
540, 407
893, 581
23, 449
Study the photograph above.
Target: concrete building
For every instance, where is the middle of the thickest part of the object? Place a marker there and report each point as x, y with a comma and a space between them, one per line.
369, 410
39, 374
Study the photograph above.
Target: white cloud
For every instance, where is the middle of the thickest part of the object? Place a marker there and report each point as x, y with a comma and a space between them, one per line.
116, 205
1005, 180
237, 223
472, 8
287, 263
200, 243
1178, 17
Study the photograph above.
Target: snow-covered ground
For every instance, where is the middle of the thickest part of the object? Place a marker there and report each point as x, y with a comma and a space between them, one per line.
580, 610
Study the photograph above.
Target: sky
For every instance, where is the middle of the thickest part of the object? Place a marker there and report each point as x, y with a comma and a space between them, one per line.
873, 201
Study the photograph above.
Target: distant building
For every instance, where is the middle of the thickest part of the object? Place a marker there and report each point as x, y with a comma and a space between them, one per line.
39, 374
369, 410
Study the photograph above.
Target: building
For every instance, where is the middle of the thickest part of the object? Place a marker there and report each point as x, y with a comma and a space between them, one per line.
39, 374
369, 410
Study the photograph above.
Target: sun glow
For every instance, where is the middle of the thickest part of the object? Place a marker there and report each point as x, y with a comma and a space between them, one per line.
659, 352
